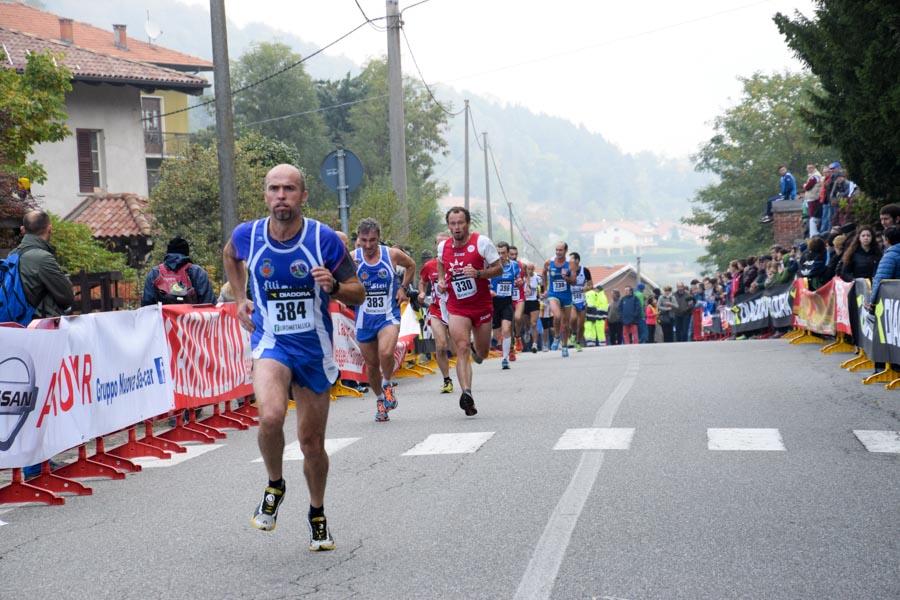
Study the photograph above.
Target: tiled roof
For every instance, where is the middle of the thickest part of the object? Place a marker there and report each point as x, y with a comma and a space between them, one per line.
113, 215
90, 66
601, 273
18, 16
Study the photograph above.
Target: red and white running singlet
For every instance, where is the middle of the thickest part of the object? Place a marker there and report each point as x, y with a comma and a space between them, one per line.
467, 293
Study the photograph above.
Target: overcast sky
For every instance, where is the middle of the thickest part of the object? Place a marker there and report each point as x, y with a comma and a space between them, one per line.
646, 74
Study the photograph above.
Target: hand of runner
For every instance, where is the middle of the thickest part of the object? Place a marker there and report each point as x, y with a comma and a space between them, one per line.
324, 278
441, 287
402, 296
470, 271
244, 312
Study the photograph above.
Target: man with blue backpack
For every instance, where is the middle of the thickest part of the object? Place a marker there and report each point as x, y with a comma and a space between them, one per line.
32, 284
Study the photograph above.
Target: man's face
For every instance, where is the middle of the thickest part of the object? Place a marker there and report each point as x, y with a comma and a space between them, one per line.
628, 291
368, 241
575, 262
503, 251
782, 171
886, 220
560, 251
810, 169
284, 196
458, 227
513, 254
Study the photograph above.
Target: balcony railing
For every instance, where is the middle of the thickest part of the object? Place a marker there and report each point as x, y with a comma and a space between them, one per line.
160, 144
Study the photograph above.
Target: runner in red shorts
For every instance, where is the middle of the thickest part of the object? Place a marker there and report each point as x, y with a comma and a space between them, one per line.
466, 262
437, 314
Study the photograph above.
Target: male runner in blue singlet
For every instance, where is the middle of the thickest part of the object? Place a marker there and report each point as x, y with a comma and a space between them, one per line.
579, 304
296, 265
502, 287
559, 277
378, 318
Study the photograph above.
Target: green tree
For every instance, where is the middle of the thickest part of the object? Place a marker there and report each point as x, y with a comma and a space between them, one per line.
853, 48
282, 107
76, 249
186, 200
763, 131
32, 111
339, 94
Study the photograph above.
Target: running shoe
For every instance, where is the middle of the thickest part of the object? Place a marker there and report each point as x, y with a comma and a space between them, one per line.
565, 352
504, 364
319, 536
555, 345
546, 349
533, 349
447, 387
381, 413
512, 356
267, 512
467, 403
478, 360
390, 400
518, 345
578, 348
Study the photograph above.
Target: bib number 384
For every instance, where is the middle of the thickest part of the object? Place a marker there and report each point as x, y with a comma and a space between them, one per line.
464, 287
291, 310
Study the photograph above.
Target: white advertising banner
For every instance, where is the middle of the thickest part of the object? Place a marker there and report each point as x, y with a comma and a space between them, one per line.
97, 374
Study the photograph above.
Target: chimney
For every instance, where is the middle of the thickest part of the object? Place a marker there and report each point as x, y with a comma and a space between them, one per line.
121, 38
65, 30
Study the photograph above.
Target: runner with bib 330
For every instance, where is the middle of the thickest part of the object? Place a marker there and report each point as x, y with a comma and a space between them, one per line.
378, 319
559, 276
465, 264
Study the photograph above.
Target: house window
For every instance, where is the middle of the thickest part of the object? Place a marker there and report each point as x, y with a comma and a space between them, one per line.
88, 142
151, 111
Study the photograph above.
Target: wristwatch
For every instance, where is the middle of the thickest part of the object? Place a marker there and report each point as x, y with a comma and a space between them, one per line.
335, 286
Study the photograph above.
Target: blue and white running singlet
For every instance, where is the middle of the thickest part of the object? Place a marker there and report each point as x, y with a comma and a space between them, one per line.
578, 290
557, 286
291, 318
380, 308
504, 284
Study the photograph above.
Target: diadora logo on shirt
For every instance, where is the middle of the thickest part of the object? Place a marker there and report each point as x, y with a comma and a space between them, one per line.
266, 269
299, 269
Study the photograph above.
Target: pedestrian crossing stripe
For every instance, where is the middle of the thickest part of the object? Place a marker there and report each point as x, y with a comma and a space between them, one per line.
450, 443
332, 445
596, 438
879, 441
193, 451
765, 440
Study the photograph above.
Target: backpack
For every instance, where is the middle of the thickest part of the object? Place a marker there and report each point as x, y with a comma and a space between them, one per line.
14, 307
175, 287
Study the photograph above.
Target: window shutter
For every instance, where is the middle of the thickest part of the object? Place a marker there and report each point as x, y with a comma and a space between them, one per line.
85, 165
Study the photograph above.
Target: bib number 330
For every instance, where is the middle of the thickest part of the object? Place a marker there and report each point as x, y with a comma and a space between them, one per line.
291, 310
464, 287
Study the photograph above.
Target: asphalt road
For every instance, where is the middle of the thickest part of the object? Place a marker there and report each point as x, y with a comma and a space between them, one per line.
809, 513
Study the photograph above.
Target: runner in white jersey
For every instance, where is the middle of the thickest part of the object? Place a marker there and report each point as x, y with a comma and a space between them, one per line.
296, 265
378, 319
532, 304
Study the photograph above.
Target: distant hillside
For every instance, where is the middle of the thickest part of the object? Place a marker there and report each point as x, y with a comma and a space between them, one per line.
553, 169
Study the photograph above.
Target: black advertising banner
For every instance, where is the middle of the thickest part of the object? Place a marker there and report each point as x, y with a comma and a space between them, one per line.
886, 334
761, 310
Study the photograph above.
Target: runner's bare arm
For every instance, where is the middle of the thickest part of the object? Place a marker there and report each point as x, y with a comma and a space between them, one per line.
399, 257
236, 272
545, 273
492, 270
441, 282
349, 289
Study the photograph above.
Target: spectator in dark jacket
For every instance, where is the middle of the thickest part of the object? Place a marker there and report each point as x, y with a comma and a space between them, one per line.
812, 264
750, 274
47, 289
177, 259
684, 304
614, 320
889, 265
631, 311
862, 256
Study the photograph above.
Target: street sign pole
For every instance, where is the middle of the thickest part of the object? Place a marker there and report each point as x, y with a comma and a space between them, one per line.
342, 191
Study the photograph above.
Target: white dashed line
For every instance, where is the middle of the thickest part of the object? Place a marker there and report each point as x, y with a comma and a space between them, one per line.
193, 451
596, 438
766, 440
879, 441
450, 443
332, 445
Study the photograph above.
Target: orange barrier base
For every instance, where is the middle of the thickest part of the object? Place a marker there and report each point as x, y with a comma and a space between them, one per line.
807, 338
838, 346
58, 485
85, 468
886, 376
18, 492
860, 355
860, 363
339, 390
793, 333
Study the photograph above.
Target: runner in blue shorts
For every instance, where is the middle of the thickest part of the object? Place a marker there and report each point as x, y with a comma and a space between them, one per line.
559, 277
378, 318
296, 265
582, 282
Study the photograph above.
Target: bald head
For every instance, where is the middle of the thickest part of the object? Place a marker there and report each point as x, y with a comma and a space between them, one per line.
286, 172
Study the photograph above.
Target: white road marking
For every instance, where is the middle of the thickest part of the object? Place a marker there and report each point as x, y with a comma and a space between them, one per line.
766, 440
596, 438
540, 574
879, 441
450, 443
332, 445
193, 451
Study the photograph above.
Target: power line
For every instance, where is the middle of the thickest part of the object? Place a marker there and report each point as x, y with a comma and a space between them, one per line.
315, 110
422, 78
366, 17
515, 221
474, 128
413, 6
270, 75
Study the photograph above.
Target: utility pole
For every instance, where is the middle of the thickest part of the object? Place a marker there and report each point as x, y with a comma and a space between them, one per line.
396, 117
224, 119
512, 238
487, 187
467, 154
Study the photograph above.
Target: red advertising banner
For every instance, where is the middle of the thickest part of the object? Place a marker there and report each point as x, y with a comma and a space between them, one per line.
817, 309
347, 356
210, 354
842, 305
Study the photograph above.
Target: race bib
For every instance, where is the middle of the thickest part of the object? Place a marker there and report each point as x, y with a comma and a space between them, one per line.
577, 296
464, 287
291, 310
377, 304
517, 295
504, 288
559, 285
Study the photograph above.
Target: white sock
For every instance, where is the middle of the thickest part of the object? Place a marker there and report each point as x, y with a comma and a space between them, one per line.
506, 343
385, 384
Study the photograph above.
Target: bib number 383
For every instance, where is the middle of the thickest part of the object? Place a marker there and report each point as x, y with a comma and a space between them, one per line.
464, 287
291, 310
377, 304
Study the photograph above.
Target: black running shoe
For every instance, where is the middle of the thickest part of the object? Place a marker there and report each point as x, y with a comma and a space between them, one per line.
467, 403
267, 512
475, 356
319, 536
